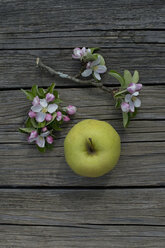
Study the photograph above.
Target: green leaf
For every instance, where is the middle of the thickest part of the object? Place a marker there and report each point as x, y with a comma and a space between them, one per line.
26, 130
94, 49
49, 146
125, 119
41, 92
41, 124
35, 90
41, 149
51, 88
28, 94
127, 78
34, 123
118, 103
118, 77
55, 93
28, 123
135, 77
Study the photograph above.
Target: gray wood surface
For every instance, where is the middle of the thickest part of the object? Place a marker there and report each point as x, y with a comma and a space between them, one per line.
42, 202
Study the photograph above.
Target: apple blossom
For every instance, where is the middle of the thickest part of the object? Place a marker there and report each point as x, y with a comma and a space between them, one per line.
48, 117
79, 53
95, 68
125, 107
33, 135
66, 118
132, 87
42, 108
133, 101
49, 139
32, 114
59, 116
71, 110
36, 101
50, 97
44, 129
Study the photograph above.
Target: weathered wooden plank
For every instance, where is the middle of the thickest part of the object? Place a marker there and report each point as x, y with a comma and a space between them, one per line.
17, 67
50, 16
138, 131
91, 103
83, 236
82, 207
141, 163
104, 39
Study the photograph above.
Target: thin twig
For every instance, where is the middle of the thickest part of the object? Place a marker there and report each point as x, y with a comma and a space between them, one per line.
74, 79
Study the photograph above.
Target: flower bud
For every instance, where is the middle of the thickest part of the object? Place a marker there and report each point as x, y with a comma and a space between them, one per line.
49, 139
48, 117
125, 107
59, 116
36, 101
71, 110
66, 118
50, 97
32, 114
44, 129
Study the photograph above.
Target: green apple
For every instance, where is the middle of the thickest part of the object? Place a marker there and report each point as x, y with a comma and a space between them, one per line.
92, 148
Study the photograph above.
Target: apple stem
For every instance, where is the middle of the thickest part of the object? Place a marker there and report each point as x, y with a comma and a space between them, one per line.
91, 146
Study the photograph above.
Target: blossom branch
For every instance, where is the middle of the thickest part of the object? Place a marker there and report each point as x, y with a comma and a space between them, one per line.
74, 79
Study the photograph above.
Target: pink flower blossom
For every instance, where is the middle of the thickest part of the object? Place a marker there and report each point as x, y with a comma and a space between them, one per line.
42, 108
59, 116
49, 139
133, 101
79, 53
125, 107
50, 97
132, 88
48, 117
95, 68
36, 101
32, 114
44, 129
66, 118
71, 110
33, 135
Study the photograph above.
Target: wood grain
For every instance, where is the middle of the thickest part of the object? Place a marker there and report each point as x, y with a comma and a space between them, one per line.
82, 207
83, 236
17, 67
50, 16
143, 143
97, 38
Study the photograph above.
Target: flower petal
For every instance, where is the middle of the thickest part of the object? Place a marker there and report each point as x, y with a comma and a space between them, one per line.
128, 98
101, 69
139, 86
137, 102
131, 88
43, 103
86, 73
36, 109
40, 117
97, 75
40, 141
45, 134
136, 93
52, 108
96, 62
131, 104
